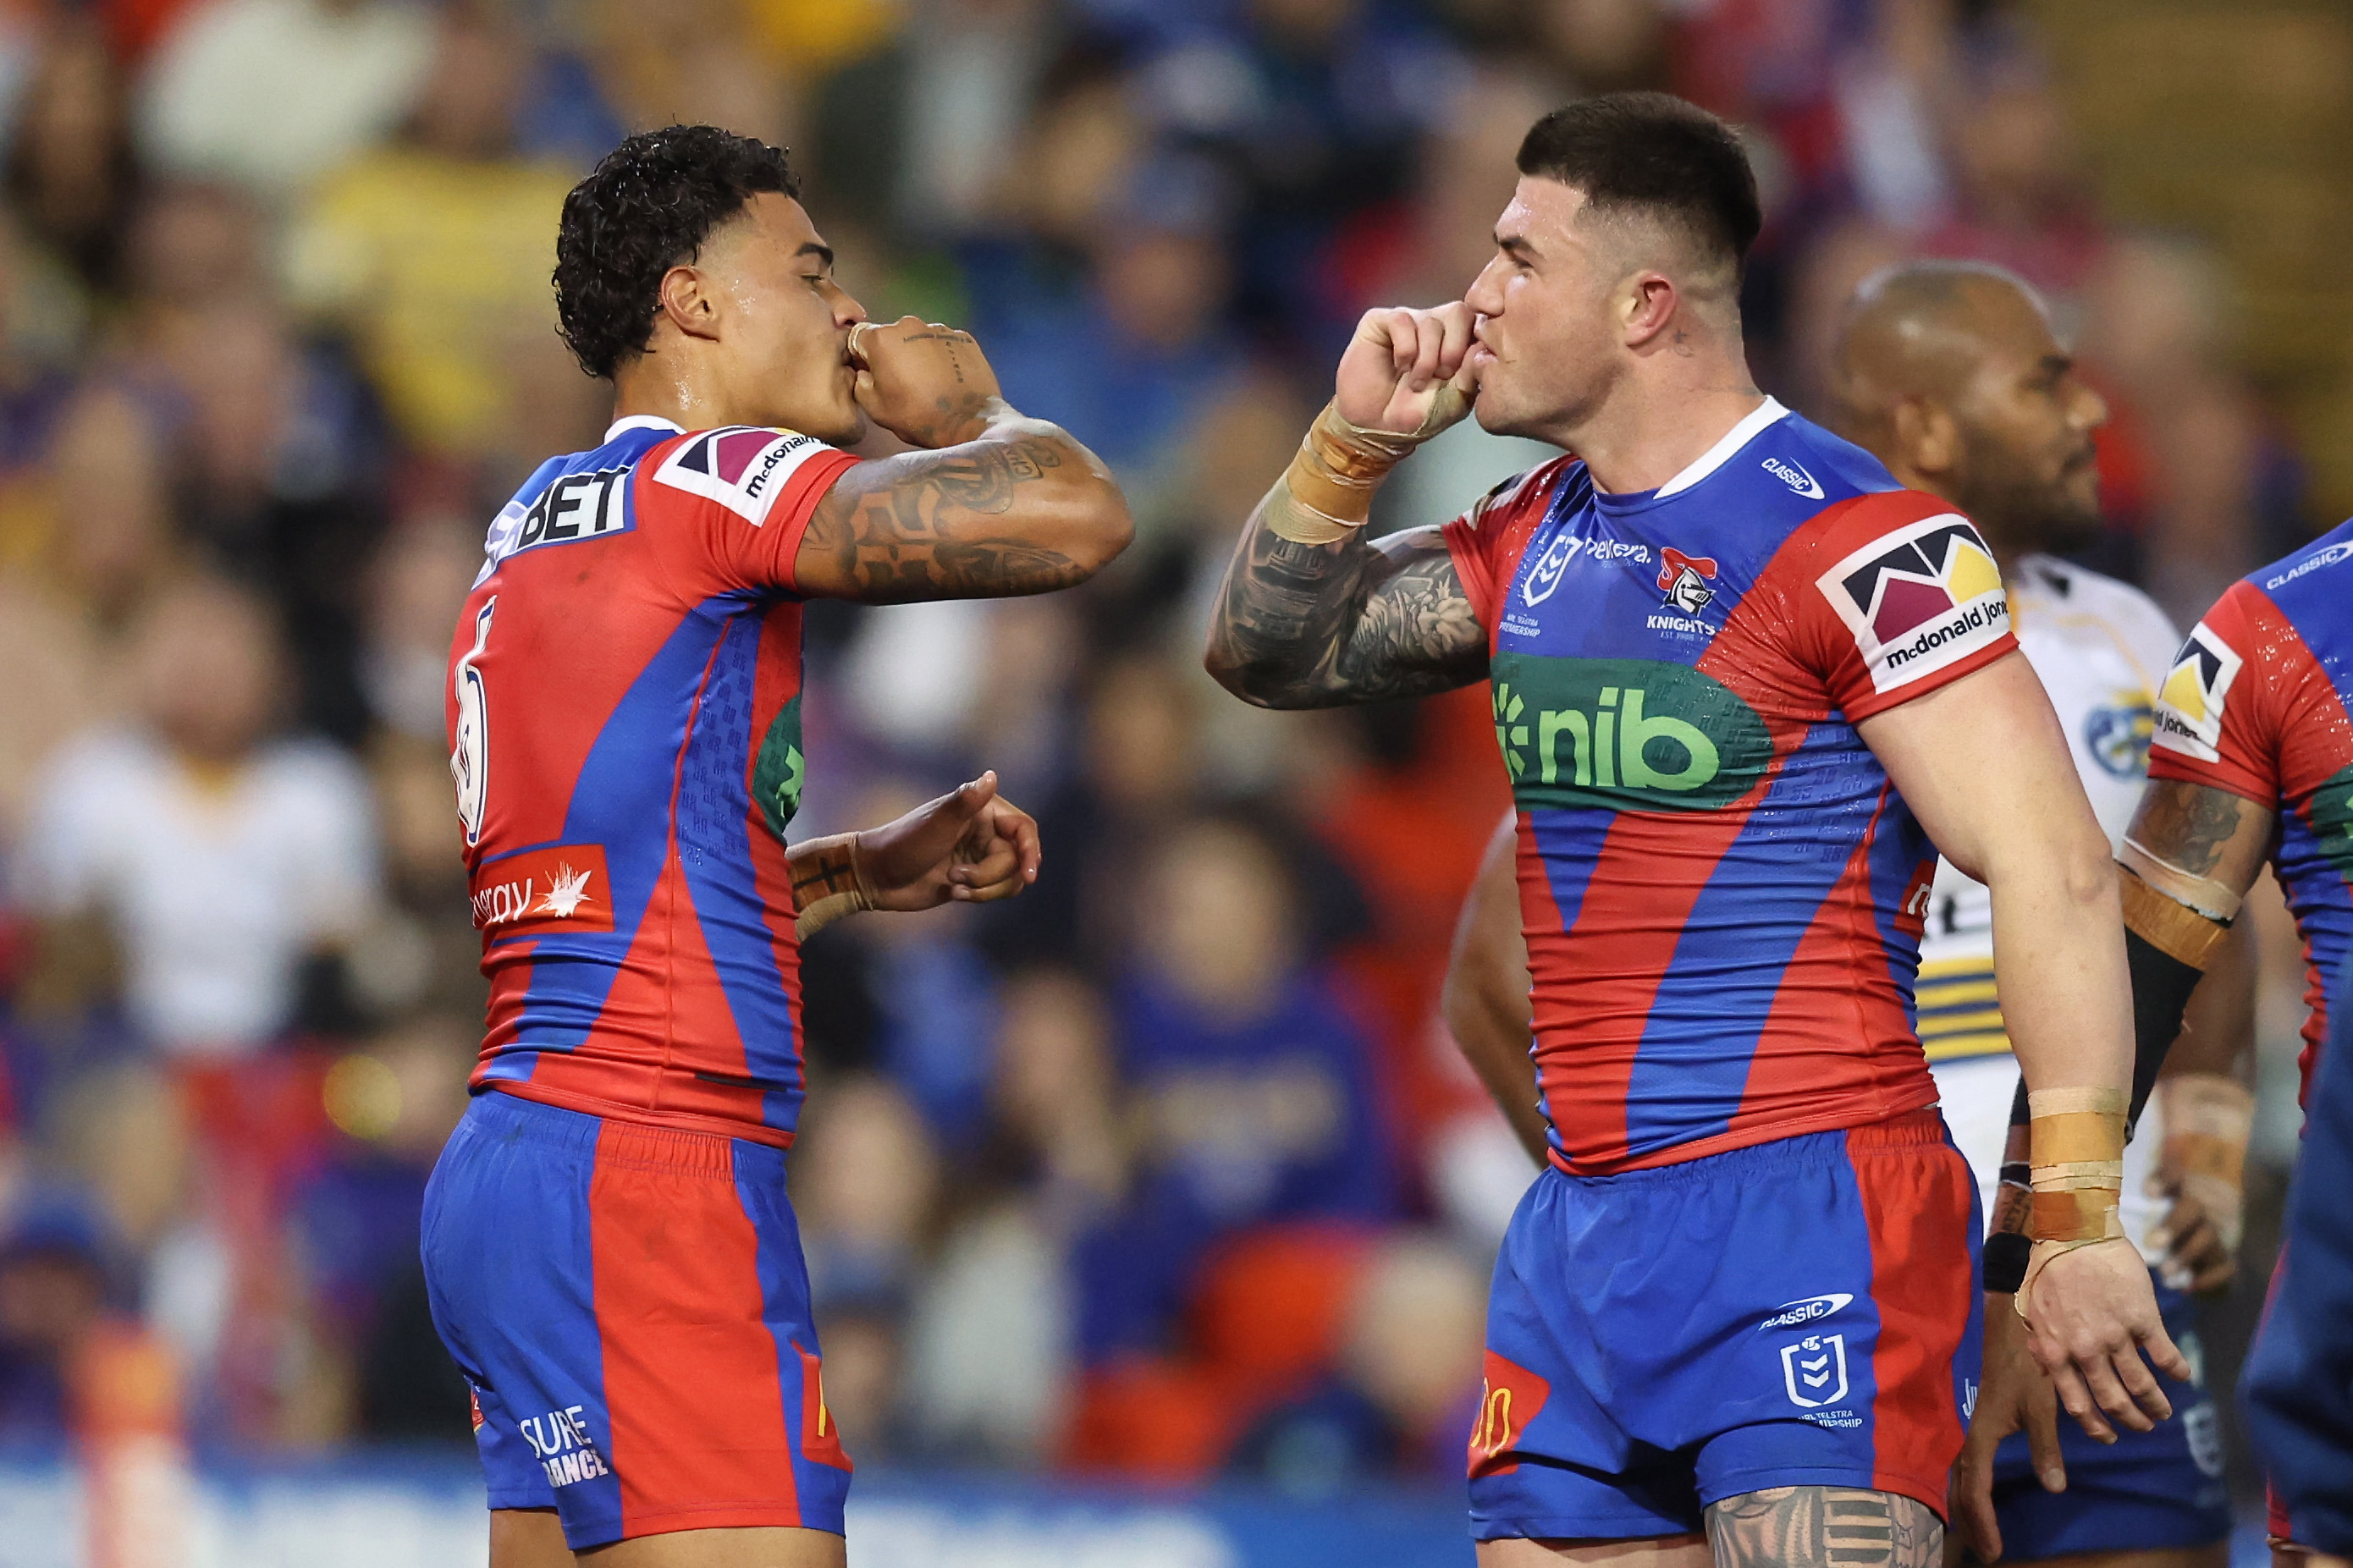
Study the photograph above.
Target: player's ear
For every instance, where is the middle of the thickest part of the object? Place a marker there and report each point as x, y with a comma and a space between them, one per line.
688, 303
1645, 305
1926, 435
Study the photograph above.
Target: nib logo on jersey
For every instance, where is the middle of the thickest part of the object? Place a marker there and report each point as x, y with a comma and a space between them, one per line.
743, 469
1922, 597
543, 892
2189, 702
1626, 734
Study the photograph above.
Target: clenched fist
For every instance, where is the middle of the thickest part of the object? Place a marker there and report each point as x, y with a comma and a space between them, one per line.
926, 383
1407, 371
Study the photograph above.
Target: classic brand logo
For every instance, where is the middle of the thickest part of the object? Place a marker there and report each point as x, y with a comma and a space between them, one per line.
743, 469
1796, 478
2312, 562
2189, 702
1626, 734
1918, 599
543, 892
1790, 1314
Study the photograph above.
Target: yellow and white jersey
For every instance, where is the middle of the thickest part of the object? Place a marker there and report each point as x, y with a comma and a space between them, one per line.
2100, 647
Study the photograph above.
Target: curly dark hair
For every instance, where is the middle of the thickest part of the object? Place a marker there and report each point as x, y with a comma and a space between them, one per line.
648, 206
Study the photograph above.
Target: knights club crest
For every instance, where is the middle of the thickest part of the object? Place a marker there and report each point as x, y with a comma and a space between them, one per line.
1814, 1371
1685, 580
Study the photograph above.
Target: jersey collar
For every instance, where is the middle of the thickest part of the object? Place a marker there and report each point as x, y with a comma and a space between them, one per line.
1715, 457
641, 422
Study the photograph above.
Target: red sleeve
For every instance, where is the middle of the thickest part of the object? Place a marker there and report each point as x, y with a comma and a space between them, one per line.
1900, 596
762, 485
1486, 541
2228, 696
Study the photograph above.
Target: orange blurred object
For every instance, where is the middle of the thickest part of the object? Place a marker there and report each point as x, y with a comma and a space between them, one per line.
125, 1407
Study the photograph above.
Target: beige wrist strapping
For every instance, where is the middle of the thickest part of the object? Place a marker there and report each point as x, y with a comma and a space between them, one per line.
2077, 1138
825, 855
2208, 1120
1339, 465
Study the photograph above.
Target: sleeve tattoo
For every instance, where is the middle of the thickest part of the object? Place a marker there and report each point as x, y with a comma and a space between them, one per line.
1824, 1527
1314, 626
935, 525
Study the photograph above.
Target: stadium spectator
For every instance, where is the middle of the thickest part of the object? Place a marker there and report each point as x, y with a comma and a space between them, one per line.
223, 855
71, 177
1398, 1396
270, 95
354, 1216
292, 327
434, 253
1253, 1095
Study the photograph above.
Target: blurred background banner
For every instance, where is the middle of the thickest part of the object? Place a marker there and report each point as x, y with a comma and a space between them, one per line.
1165, 1173
399, 1509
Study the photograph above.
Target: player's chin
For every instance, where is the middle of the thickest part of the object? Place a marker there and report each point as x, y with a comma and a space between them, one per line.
845, 424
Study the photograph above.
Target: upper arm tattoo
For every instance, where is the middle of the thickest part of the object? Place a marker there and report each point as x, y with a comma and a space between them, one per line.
937, 525
1314, 625
2192, 827
1824, 1527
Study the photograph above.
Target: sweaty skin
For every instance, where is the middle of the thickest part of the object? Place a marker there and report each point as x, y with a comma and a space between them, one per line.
1609, 337
755, 331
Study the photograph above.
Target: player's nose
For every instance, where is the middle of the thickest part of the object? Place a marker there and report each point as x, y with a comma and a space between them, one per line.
2091, 408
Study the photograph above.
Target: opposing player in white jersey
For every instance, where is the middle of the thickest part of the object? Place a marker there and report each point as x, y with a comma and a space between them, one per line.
1950, 375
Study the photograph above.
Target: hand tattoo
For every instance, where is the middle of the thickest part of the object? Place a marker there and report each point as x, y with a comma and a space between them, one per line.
1314, 626
937, 525
1824, 1527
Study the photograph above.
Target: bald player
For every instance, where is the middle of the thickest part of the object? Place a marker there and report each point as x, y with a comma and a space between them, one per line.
1950, 372
1951, 375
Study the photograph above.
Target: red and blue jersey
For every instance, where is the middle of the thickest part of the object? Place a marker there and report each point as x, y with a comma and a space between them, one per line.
624, 714
1722, 891
2256, 705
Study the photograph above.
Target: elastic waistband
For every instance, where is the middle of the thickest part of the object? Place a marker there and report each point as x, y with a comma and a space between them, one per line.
614, 1143
1912, 1130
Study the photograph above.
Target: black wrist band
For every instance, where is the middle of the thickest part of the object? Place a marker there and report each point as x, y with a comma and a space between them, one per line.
2005, 1253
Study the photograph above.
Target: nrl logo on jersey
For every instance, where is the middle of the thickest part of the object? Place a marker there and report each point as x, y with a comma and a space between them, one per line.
2189, 704
743, 469
1919, 599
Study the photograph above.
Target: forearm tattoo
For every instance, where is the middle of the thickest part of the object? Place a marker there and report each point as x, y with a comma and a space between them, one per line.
1824, 1527
1314, 625
934, 525
2187, 824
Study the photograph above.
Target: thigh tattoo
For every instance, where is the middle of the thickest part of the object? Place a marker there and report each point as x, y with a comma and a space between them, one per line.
1824, 1527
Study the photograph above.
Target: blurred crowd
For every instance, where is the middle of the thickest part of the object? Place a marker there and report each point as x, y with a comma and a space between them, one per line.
1166, 1169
